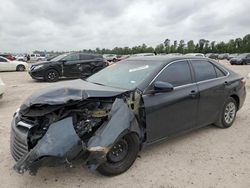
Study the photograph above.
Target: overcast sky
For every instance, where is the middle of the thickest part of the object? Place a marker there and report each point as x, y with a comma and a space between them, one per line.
27, 25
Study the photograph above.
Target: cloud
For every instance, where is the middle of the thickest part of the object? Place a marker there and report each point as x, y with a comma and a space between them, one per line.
27, 25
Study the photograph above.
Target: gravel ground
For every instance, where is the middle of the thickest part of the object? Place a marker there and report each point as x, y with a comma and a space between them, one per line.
208, 157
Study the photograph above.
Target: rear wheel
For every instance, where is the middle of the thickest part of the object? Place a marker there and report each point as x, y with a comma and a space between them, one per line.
121, 156
20, 68
228, 114
51, 75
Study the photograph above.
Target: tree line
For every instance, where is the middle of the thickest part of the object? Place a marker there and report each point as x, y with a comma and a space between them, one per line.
237, 45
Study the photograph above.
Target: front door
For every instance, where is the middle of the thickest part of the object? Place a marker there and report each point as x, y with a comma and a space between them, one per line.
172, 112
72, 66
4, 65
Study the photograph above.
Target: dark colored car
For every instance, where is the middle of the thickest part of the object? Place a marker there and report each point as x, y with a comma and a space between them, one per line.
212, 56
230, 56
241, 59
8, 56
72, 65
223, 56
112, 115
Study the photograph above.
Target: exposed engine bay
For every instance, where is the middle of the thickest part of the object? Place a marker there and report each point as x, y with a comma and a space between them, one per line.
87, 116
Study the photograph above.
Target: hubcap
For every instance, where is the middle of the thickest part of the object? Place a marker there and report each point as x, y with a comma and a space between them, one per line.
118, 152
229, 112
52, 75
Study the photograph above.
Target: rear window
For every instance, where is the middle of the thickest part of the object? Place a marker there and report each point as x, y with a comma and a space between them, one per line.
203, 70
219, 72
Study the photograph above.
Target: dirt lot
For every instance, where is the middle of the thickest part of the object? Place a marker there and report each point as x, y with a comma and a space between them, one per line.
209, 157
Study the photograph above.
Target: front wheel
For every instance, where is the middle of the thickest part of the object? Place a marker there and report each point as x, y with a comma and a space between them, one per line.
20, 68
228, 114
121, 156
51, 75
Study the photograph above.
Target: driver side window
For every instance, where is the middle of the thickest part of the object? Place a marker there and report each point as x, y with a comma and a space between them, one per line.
177, 74
72, 57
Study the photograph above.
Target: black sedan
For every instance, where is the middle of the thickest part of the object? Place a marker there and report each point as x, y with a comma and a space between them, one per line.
70, 65
242, 59
113, 114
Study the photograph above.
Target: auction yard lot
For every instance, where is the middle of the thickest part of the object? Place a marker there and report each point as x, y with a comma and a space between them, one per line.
208, 157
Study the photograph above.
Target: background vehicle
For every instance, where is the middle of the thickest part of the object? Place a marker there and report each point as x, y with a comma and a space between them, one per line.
8, 56
230, 56
143, 54
110, 57
7, 65
212, 55
37, 57
72, 65
122, 57
21, 57
196, 54
114, 113
223, 56
2, 88
241, 59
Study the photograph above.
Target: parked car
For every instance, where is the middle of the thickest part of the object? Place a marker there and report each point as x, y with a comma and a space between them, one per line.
7, 65
212, 55
71, 65
241, 59
114, 113
8, 56
2, 88
37, 57
143, 54
21, 58
196, 54
230, 56
223, 56
121, 57
110, 57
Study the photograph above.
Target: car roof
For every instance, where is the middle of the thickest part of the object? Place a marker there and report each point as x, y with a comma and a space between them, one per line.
164, 59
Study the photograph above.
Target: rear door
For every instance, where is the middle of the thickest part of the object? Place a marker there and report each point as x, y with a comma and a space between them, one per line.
172, 112
211, 82
72, 65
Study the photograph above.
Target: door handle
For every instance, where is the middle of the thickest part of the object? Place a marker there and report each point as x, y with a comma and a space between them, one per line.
193, 93
226, 83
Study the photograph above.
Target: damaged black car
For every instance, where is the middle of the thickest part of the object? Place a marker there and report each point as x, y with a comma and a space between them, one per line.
109, 117
69, 65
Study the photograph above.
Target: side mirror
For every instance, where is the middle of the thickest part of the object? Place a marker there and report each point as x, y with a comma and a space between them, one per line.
63, 61
161, 87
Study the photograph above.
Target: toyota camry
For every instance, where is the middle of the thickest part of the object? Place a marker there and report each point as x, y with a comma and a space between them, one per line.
109, 117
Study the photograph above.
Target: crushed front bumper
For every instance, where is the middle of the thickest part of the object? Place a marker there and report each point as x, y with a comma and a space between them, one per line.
60, 142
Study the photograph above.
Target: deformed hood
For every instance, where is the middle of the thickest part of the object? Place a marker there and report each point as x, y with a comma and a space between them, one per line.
64, 92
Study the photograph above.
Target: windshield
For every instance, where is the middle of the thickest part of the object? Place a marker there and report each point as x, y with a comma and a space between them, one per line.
126, 75
57, 58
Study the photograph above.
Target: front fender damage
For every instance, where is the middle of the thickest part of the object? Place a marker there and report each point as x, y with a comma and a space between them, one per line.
62, 144
122, 121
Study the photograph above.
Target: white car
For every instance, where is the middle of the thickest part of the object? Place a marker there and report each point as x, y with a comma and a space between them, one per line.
37, 57
21, 58
7, 65
196, 54
2, 88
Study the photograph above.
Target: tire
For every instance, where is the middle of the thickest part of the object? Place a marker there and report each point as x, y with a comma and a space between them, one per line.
20, 68
51, 75
228, 114
118, 164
